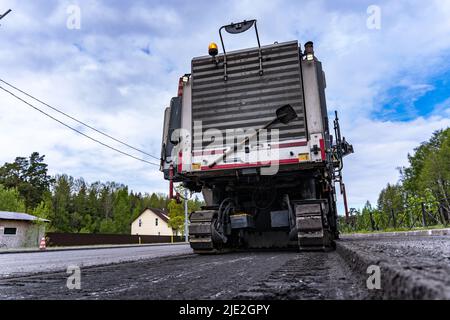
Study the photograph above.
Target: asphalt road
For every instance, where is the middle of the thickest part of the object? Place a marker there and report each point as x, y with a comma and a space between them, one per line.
16, 264
245, 275
411, 267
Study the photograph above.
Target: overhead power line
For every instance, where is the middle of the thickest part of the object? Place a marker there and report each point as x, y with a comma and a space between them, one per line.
4, 15
76, 130
79, 121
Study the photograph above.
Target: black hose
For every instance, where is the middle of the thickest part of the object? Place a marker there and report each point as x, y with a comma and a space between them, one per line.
219, 223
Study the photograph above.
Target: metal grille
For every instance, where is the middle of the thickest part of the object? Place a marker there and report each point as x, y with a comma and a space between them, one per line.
248, 100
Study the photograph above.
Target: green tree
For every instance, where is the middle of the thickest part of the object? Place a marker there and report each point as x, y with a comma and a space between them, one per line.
122, 212
60, 216
93, 206
44, 209
365, 219
425, 183
429, 166
106, 201
29, 176
81, 218
137, 206
72, 205
195, 204
435, 173
10, 200
107, 226
154, 201
391, 199
176, 216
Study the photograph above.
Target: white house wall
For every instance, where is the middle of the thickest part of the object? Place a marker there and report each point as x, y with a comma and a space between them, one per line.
28, 234
149, 227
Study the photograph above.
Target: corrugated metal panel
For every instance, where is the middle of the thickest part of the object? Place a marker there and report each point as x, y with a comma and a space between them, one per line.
7, 215
248, 100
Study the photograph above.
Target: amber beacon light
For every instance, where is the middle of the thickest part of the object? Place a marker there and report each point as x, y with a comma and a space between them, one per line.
212, 49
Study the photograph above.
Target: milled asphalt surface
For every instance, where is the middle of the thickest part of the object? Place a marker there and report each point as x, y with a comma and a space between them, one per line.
16, 264
244, 275
414, 267
411, 267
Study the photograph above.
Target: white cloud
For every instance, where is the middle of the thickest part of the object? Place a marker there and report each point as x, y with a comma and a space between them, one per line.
443, 108
101, 75
380, 148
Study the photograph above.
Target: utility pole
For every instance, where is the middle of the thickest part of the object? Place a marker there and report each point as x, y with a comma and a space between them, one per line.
186, 215
4, 15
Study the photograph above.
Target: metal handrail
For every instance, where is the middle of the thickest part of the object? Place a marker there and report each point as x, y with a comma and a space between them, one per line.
235, 28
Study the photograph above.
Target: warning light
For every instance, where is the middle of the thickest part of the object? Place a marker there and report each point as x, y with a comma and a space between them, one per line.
212, 49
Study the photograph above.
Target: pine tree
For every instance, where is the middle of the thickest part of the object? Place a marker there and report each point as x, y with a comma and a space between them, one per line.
122, 211
28, 176
60, 217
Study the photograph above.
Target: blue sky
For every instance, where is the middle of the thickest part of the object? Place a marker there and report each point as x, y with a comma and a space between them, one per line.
120, 69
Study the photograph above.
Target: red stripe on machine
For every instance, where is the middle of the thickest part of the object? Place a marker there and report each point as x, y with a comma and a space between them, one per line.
246, 165
273, 146
322, 149
208, 152
290, 144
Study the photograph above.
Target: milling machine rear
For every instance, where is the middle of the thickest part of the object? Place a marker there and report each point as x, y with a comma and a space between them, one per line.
249, 129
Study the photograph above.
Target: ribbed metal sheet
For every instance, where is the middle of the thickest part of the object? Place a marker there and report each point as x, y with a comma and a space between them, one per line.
6, 215
248, 100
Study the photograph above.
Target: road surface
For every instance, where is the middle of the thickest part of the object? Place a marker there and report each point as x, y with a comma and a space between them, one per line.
411, 268
16, 264
256, 275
